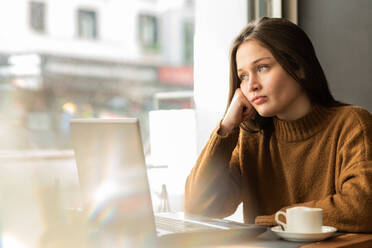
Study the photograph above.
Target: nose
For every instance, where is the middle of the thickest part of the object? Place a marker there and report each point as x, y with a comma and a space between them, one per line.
252, 84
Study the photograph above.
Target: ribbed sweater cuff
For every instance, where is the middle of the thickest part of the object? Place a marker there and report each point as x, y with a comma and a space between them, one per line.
235, 131
230, 139
222, 145
265, 220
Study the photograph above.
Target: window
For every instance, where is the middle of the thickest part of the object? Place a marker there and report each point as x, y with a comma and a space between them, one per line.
264, 8
188, 42
37, 16
190, 3
260, 8
100, 59
87, 24
148, 32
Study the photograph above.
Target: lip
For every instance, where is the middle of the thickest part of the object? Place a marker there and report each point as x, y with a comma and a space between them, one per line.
259, 99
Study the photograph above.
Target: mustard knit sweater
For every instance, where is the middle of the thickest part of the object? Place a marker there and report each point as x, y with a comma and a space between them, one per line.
321, 160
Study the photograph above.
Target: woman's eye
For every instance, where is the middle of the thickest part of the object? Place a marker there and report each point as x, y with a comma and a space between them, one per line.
243, 77
263, 68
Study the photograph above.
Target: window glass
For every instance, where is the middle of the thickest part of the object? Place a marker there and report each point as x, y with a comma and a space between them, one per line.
99, 59
48, 80
148, 31
261, 8
87, 24
188, 30
37, 16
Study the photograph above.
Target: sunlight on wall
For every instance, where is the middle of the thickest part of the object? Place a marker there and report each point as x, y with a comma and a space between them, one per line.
173, 138
8, 241
173, 144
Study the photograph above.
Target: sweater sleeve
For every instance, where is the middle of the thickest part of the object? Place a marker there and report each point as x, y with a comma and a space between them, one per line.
213, 187
349, 208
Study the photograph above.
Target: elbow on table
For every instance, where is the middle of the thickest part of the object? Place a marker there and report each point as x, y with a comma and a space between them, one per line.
211, 208
360, 222
364, 223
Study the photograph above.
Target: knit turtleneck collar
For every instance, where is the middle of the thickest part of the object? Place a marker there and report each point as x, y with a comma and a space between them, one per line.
302, 128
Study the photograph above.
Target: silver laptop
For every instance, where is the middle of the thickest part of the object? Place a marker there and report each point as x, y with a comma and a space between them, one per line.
115, 190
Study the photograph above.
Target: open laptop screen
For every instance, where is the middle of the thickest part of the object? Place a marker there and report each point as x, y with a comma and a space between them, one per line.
112, 176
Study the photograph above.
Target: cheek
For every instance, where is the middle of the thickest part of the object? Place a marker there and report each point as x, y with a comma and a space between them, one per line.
244, 88
285, 90
280, 84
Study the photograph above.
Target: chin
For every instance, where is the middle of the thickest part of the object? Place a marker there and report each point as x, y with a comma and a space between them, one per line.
266, 115
266, 112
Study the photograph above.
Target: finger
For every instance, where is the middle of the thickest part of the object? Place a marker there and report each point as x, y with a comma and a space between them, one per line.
249, 117
243, 99
250, 113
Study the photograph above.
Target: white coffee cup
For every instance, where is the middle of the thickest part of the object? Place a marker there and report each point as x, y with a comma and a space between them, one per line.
301, 220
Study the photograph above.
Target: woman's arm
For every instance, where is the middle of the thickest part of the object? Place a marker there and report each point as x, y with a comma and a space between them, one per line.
213, 187
350, 207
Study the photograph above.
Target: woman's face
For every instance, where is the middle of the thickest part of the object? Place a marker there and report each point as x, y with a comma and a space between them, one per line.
267, 86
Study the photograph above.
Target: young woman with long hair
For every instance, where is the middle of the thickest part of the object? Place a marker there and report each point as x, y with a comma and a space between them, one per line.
284, 141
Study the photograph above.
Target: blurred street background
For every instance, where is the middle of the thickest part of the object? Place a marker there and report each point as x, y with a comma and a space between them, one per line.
79, 59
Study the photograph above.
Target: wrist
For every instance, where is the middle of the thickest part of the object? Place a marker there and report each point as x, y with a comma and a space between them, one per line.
225, 129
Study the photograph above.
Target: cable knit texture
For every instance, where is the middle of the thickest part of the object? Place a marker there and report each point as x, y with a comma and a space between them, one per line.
321, 160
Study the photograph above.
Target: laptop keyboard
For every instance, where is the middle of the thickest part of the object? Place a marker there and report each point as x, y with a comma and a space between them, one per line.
175, 225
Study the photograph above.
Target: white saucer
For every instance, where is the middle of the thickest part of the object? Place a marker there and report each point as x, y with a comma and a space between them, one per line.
327, 231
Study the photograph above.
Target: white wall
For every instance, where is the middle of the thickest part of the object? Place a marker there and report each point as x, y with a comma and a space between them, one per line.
217, 23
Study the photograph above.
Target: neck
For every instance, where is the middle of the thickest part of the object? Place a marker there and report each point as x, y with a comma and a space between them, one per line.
300, 107
304, 127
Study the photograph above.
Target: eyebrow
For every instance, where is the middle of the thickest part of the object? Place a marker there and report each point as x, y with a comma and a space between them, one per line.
256, 61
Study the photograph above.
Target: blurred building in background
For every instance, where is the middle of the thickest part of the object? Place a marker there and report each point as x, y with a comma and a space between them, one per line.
90, 58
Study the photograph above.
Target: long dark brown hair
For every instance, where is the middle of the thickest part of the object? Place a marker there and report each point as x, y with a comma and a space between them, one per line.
293, 50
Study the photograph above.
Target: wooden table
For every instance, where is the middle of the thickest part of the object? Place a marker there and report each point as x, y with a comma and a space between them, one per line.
344, 240
340, 240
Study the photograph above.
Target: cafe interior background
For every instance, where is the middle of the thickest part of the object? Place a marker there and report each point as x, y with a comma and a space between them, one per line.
162, 61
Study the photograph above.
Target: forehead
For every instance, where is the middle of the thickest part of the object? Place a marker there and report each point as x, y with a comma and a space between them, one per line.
250, 51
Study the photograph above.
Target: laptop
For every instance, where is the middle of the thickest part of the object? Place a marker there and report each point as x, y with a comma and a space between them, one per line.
116, 195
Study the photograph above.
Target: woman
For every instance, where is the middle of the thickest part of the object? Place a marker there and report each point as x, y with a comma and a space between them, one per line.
284, 141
